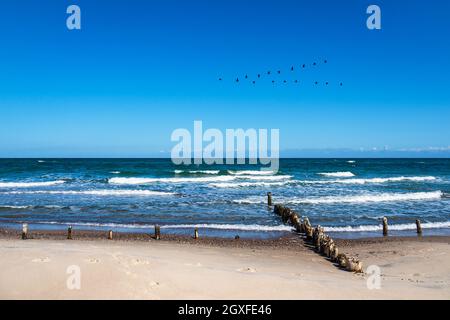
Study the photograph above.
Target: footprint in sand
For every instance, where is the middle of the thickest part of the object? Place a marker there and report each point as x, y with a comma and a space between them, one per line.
93, 260
154, 284
247, 270
137, 262
46, 259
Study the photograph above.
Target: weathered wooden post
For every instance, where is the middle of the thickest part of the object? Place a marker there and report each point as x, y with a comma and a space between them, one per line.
385, 226
196, 233
110, 235
419, 227
157, 232
69, 233
269, 199
24, 231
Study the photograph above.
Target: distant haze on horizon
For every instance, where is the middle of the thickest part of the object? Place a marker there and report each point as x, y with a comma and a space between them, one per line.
138, 70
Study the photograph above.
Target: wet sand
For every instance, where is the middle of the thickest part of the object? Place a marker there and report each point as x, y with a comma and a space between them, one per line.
135, 266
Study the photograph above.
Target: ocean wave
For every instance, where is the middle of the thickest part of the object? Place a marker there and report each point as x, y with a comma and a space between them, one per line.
115, 172
242, 227
250, 200
198, 171
30, 184
369, 180
366, 198
251, 172
246, 184
137, 181
97, 192
31, 207
14, 207
342, 174
395, 227
382, 197
265, 178
351, 161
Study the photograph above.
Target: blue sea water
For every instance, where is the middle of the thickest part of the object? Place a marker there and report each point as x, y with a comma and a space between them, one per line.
346, 196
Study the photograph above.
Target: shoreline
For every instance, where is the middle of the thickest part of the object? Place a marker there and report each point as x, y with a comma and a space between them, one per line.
275, 242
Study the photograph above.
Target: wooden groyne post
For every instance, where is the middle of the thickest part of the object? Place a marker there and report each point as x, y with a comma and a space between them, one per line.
419, 227
24, 231
157, 232
110, 235
269, 199
322, 242
196, 233
385, 226
69, 233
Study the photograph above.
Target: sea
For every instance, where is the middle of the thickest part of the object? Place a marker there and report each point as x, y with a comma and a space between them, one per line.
348, 197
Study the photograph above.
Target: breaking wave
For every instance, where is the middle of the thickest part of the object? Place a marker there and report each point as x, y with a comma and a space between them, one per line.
337, 174
251, 172
367, 198
97, 192
396, 227
198, 171
369, 180
137, 181
247, 184
382, 197
30, 184
242, 227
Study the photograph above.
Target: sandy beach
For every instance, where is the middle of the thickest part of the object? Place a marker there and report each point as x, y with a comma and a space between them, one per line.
138, 267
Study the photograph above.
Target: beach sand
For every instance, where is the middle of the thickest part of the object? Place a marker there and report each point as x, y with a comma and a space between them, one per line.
138, 267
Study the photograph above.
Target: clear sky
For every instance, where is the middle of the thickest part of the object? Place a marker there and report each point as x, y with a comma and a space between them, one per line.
137, 70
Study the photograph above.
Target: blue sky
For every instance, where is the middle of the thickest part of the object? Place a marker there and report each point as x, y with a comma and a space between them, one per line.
140, 69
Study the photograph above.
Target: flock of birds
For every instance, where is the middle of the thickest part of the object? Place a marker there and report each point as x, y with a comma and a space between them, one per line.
270, 74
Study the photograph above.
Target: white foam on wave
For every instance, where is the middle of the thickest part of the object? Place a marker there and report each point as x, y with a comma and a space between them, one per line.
251, 172
382, 197
30, 184
246, 184
366, 198
395, 227
342, 174
242, 227
137, 181
14, 207
115, 172
198, 171
351, 161
250, 200
265, 178
370, 180
105, 192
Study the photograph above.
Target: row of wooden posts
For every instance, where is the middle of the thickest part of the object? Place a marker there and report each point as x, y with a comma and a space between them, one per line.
322, 243
384, 220
157, 235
